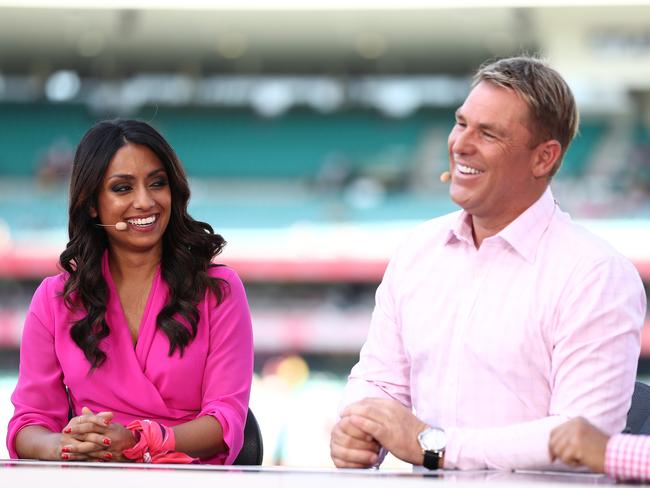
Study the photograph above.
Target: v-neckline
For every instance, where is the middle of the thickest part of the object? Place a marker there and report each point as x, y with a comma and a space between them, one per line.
134, 342
135, 337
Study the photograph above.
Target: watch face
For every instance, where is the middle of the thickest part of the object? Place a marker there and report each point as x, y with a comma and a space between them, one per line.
433, 439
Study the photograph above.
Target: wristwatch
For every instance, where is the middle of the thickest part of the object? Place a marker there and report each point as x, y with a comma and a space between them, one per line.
433, 441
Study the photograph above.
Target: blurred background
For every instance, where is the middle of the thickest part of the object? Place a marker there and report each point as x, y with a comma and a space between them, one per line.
313, 134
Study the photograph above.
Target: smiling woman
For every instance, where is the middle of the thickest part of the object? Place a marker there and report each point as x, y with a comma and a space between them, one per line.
141, 328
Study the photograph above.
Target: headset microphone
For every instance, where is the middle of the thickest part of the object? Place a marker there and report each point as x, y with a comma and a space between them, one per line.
445, 177
118, 226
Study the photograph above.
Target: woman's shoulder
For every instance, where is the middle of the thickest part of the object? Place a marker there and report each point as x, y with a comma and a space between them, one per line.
224, 272
48, 297
231, 283
51, 286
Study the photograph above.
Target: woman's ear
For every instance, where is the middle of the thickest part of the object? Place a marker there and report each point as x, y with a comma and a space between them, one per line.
93, 212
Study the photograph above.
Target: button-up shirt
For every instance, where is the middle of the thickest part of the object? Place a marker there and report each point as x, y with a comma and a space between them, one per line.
498, 345
628, 457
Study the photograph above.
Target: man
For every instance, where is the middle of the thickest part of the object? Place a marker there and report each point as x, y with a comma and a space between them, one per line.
578, 443
497, 323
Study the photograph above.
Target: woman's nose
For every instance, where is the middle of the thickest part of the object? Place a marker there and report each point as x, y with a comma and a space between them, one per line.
143, 199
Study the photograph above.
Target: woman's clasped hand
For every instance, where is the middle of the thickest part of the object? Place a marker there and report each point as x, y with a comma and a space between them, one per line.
94, 437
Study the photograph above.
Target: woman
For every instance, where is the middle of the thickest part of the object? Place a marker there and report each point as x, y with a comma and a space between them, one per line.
152, 341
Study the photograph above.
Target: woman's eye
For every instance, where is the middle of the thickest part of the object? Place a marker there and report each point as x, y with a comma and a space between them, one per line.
159, 183
120, 188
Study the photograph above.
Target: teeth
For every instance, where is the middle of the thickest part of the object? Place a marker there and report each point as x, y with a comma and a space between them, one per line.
467, 170
147, 221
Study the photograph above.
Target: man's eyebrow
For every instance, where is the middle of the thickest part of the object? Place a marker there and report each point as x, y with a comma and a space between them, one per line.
491, 128
483, 126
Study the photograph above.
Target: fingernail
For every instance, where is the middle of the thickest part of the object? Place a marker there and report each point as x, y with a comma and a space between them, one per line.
107, 422
108, 455
65, 449
106, 441
65, 456
67, 430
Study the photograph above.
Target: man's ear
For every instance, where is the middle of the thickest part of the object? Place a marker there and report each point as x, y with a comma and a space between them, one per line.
547, 155
93, 212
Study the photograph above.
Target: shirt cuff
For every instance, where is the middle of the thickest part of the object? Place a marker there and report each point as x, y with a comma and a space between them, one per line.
610, 455
628, 457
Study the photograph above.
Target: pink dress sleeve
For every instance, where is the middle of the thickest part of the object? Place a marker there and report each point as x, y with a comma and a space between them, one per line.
39, 397
229, 366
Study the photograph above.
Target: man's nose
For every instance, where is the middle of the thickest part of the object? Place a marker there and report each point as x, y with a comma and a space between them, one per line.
463, 142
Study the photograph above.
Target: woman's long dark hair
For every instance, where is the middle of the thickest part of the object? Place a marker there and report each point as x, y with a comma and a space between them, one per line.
188, 245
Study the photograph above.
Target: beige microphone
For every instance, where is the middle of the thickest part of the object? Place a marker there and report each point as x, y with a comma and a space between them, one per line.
118, 226
445, 177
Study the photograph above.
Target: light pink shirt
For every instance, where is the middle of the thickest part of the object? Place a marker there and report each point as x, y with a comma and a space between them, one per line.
500, 344
213, 377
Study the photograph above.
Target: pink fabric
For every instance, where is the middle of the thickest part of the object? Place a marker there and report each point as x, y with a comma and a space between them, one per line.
628, 457
157, 444
213, 377
498, 345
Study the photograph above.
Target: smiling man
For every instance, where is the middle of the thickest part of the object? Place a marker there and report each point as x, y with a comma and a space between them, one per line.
499, 322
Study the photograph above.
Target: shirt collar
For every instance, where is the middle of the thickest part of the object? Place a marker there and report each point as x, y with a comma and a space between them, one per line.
523, 233
461, 230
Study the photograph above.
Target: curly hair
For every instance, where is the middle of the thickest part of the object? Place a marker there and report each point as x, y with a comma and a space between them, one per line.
189, 246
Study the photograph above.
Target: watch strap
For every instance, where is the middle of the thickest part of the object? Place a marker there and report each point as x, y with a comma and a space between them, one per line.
433, 459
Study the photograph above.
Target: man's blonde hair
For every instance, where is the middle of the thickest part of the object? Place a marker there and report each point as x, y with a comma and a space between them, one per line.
552, 107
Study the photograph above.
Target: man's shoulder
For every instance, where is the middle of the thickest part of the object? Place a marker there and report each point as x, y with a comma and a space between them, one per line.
426, 235
576, 242
433, 229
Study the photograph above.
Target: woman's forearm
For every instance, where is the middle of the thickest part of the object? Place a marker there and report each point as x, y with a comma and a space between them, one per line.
37, 442
201, 437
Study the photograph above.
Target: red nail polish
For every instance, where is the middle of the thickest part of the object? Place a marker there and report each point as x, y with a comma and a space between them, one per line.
67, 430
106, 441
107, 422
65, 456
65, 449
108, 455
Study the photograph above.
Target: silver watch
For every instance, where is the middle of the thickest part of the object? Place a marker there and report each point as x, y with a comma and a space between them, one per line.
433, 441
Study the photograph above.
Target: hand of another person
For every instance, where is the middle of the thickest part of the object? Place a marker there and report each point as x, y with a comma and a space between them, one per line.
350, 447
578, 443
391, 424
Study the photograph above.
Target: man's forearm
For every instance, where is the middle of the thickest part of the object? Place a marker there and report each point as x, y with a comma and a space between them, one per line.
521, 446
